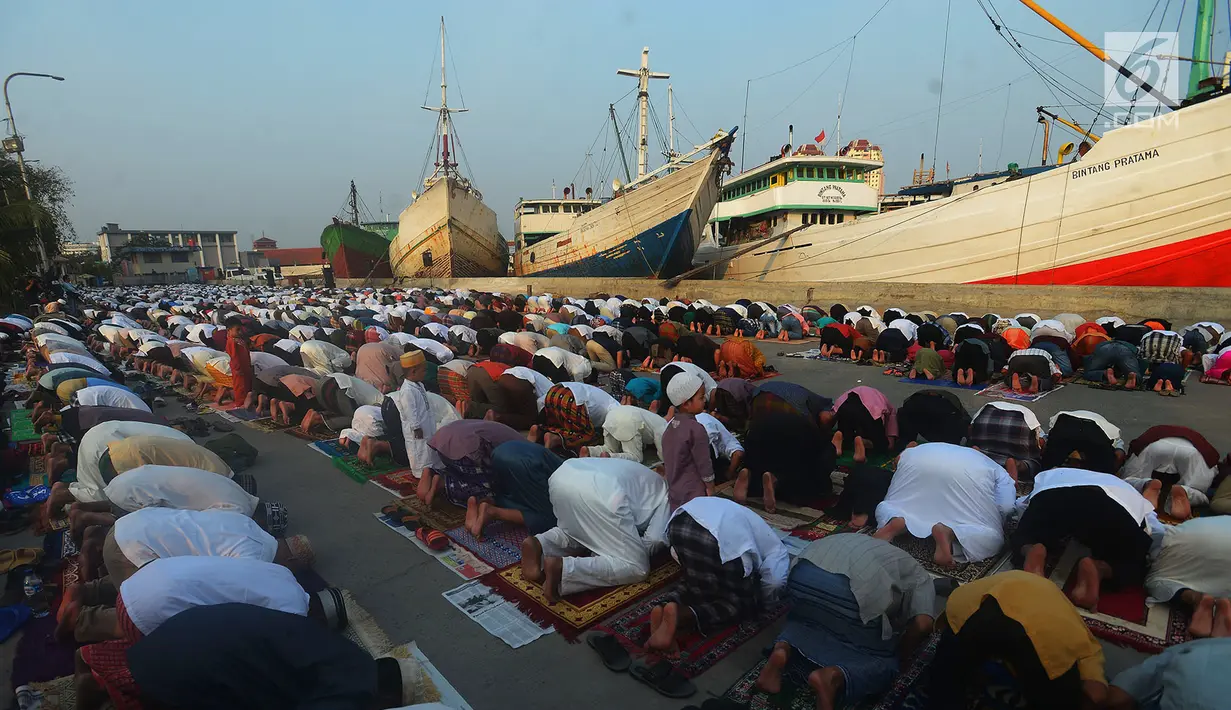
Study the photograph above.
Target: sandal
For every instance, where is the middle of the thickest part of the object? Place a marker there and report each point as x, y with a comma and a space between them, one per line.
434, 539
662, 677
615, 656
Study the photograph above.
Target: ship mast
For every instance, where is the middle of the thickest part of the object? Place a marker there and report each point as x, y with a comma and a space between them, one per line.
444, 166
643, 99
671, 154
354, 204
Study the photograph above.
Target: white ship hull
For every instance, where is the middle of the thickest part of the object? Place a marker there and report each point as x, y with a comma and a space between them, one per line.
446, 233
1149, 205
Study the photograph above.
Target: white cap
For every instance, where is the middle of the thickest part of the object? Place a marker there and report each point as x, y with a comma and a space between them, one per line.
682, 387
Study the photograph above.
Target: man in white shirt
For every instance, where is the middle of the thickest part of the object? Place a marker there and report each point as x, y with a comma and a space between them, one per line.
612, 509
734, 566
627, 432
108, 396
726, 450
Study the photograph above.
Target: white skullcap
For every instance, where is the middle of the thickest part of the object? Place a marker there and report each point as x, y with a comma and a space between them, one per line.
682, 387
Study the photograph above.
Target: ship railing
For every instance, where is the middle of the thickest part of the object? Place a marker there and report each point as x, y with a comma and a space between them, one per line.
677, 163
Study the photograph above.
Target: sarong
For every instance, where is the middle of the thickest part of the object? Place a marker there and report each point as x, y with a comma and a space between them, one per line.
719, 594
568, 418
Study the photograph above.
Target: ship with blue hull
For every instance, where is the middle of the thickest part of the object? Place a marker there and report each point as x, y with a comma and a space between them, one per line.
649, 228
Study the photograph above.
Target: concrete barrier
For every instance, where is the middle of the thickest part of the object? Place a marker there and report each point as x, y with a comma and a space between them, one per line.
1179, 305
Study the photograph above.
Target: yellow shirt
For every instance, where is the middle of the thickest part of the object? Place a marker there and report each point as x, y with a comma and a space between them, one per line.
1056, 630
134, 451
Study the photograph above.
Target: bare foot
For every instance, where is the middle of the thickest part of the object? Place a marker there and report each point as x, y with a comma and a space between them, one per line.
1017, 382
1181, 509
286, 408
533, 435
553, 571
859, 520
425, 486
532, 560
767, 492
66, 616
1158, 386
662, 639
944, 545
1110, 375
891, 529
553, 441
1153, 490
1202, 623
770, 680
438, 482
861, 451
837, 442
741, 486
927, 374
827, 683
913, 374
1085, 591
472, 512
1036, 560
1010, 465
1034, 385
1131, 382
1222, 618
490, 415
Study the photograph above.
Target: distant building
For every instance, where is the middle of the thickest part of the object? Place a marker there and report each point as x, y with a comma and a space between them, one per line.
158, 264
263, 243
862, 148
211, 248
79, 249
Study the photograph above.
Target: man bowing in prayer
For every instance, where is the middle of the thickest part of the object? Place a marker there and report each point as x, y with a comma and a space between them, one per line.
611, 517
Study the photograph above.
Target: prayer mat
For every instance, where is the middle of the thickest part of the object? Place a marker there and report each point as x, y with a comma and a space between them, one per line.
880, 459
361, 472
952, 384
500, 546
212, 408
1214, 380
1004, 390
1124, 618
923, 551
58, 694
446, 517
38, 656
813, 354
766, 376
576, 613
314, 435
826, 526
268, 425
330, 447
697, 653
399, 484
908, 689
245, 415
785, 517
21, 428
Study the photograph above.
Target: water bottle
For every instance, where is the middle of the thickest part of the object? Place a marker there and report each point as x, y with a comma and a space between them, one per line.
34, 593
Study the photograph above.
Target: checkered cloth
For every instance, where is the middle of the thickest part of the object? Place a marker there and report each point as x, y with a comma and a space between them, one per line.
1002, 433
1160, 346
718, 594
452, 385
1036, 352
568, 418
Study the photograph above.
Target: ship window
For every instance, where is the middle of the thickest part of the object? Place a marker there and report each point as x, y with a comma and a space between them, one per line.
427, 259
531, 257
842, 173
840, 217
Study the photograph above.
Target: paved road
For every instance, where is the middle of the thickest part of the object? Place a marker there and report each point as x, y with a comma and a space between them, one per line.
402, 587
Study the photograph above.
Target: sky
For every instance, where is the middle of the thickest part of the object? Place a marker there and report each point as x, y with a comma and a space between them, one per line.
255, 116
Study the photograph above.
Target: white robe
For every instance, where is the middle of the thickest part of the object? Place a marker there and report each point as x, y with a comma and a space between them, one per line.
614, 508
88, 488
180, 487
1194, 555
108, 396
742, 534
1176, 455
954, 485
324, 358
418, 426
165, 587
154, 533
628, 431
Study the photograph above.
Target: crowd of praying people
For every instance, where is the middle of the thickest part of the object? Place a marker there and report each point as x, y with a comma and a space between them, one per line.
616, 429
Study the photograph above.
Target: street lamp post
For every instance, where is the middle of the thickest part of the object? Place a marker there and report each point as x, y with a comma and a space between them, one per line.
21, 161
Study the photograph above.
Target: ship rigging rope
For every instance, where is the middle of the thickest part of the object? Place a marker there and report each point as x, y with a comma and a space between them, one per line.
1004, 122
806, 88
940, 94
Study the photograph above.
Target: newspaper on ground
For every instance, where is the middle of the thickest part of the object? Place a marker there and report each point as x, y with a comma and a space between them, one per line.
497, 615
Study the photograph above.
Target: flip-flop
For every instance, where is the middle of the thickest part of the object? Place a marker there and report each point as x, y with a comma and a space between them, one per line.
434, 539
615, 656
8, 560
662, 677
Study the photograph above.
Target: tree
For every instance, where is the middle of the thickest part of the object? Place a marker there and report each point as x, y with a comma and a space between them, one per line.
23, 222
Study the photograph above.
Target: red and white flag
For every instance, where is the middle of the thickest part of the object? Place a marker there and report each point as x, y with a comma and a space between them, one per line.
820, 138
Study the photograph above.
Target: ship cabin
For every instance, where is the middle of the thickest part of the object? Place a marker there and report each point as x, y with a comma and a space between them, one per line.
790, 191
535, 220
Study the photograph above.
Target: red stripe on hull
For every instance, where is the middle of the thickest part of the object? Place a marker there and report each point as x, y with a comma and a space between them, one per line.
1198, 262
